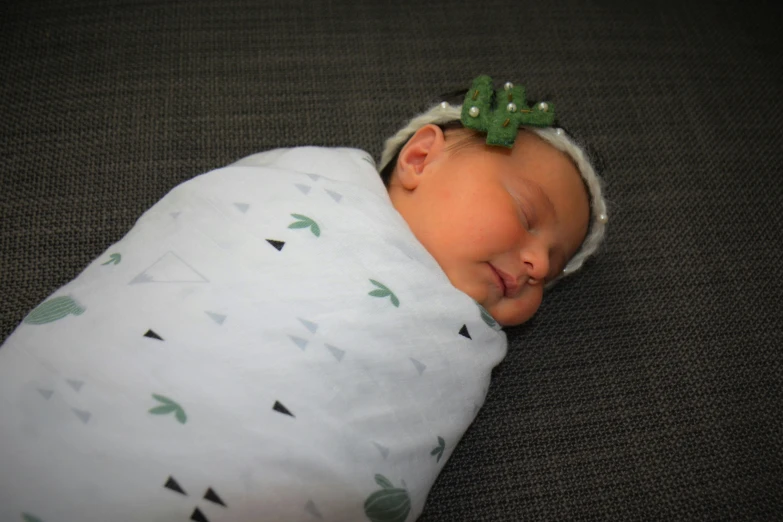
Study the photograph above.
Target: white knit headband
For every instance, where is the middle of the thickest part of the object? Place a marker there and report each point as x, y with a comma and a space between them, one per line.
447, 113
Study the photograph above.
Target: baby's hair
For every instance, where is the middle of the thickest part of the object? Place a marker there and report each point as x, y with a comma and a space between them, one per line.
446, 114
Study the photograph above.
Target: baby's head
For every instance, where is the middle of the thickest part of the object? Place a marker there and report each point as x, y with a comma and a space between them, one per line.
503, 222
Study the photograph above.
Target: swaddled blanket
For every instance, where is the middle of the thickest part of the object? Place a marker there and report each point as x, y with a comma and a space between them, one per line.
269, 342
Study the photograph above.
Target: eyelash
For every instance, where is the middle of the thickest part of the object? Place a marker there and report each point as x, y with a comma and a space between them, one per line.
524, 215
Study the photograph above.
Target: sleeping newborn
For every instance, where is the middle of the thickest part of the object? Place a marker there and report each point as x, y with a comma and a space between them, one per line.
294, 337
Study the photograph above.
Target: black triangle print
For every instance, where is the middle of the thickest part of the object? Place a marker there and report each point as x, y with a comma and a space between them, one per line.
464, 331
213, 497
153, 335
277, 244
282, 409
173, 485
198, 516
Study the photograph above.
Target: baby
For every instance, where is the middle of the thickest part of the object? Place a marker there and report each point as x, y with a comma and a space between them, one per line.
503, 222
292, 337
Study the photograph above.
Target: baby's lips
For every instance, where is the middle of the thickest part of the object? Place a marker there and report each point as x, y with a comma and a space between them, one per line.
510, 284
513, 284
512, 290
498, 279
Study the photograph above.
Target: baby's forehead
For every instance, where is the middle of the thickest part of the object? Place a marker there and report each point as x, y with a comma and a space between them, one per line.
529, 150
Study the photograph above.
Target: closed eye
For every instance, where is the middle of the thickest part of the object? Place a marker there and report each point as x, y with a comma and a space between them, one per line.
525, 212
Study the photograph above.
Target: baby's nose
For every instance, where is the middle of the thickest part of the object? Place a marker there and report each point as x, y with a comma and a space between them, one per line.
536, 263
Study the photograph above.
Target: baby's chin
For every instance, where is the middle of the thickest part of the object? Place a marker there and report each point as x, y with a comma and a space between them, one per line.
513, 312
507, 312
505, 319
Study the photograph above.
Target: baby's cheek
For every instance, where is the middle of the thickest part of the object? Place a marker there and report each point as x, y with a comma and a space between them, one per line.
502, 233
492, 224
477, 289
512, 312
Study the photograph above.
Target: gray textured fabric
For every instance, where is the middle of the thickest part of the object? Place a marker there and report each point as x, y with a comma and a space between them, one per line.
649, 386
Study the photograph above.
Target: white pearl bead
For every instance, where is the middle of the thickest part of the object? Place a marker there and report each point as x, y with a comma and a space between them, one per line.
444, 105
508, 86
544, 106
559, 132
511, 107
474, 111
603, 218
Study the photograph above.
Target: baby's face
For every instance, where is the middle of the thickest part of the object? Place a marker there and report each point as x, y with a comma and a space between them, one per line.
501, 223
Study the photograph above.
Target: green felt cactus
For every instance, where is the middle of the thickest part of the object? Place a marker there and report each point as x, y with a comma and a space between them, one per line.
54, 309
389, 504
500, 113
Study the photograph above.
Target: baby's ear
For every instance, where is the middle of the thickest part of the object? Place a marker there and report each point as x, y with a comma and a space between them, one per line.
422, 148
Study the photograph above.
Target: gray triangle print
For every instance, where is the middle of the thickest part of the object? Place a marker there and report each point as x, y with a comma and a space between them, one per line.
419, 366
175, 215
76, 385
310, 508
304, 189
308, 324
45, 393
338, 353
83, 415
170, 268
301, 343
218, 318
313, 177
242, 207
382, 449
335, 195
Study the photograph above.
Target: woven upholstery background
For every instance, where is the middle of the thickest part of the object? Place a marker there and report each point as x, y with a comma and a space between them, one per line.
649, 385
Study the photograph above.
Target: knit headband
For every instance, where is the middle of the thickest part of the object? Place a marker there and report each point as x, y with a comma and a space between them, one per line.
487, 111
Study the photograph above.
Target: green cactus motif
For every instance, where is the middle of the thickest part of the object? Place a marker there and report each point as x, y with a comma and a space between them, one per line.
438, 450
168, 406
383, 291
114, 259
304, 222
388, 504
54, 309
26, 517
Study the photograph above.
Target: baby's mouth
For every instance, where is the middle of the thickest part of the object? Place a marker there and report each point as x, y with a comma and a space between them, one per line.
498, 279
507, 284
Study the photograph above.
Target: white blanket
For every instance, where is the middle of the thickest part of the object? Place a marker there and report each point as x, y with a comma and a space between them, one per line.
269, 342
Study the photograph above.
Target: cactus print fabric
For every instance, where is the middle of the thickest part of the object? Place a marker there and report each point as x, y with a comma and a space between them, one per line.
269, 342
